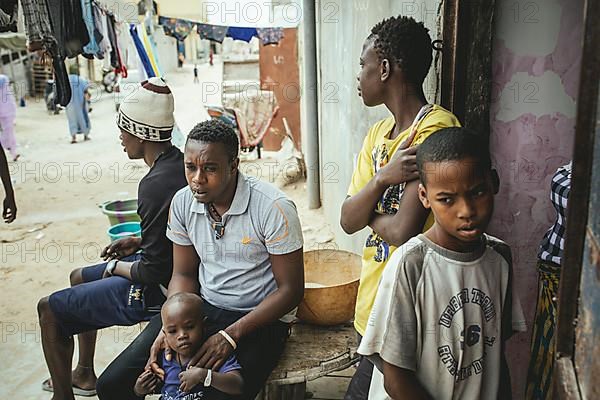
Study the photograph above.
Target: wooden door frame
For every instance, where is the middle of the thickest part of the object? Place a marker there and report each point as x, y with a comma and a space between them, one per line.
565, 376
466, 87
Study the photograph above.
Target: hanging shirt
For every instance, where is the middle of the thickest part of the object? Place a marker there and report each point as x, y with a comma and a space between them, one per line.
216, 33
270, 35
245, 34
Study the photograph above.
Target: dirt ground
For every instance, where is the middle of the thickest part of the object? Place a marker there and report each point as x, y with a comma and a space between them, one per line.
58, 187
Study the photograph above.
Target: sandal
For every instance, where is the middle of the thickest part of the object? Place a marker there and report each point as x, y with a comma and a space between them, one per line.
77, 391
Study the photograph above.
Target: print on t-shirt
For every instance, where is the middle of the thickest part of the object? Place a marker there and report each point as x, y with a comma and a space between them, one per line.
470, 336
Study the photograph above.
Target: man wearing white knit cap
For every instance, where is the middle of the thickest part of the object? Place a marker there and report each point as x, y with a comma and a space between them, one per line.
130, 286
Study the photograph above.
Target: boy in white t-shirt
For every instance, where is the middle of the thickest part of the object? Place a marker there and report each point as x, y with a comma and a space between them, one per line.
445, 304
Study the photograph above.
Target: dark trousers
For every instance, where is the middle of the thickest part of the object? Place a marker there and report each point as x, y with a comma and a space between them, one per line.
257, 353
358, 389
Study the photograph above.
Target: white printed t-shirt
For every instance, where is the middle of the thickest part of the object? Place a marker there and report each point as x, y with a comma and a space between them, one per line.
444, 315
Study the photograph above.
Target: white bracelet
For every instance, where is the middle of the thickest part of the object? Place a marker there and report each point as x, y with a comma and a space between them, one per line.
229, 339
208, 379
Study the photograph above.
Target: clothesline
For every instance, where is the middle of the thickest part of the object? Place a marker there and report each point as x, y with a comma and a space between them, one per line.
68, 28
180, 28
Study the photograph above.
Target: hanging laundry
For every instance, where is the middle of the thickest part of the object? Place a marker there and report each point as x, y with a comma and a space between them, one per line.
112, 37
150, 48
8, 15
40, 36
126, 46
176, 27
216, 33
101, 31
68, 26
141, 51
245, 34
88, 19
270, 35
37, 25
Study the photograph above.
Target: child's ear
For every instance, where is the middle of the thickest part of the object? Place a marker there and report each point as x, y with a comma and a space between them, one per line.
385, 69
495, 181
422, 190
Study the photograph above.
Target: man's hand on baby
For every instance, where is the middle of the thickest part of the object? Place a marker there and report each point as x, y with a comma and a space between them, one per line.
213, 353
191, 377
146, 383
160, 344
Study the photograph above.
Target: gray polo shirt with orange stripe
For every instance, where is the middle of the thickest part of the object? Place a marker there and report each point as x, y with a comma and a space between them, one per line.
235, 271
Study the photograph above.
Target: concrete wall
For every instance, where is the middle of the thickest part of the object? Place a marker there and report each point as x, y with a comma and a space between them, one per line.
342, 28
536, 66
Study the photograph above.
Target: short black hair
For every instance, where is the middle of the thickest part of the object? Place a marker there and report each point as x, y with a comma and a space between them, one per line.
451, 144
191, 299
215, 131
406, 42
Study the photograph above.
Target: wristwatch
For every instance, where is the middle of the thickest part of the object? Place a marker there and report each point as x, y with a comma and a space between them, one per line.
208, 379
110, 267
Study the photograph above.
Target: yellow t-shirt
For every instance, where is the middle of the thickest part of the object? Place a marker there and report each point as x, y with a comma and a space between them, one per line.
377, 149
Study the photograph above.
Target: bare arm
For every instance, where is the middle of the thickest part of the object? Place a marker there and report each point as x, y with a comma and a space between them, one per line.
184, 279
402, 383
408, 222
185, 270
229, 382
358, 210
288, 270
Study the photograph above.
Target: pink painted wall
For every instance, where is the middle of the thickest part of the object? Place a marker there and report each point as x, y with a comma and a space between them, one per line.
536, 66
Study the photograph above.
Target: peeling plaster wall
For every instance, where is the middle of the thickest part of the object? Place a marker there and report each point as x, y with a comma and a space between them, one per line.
535, 73
342, 26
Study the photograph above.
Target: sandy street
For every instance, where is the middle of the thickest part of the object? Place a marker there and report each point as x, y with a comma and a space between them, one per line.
60, 226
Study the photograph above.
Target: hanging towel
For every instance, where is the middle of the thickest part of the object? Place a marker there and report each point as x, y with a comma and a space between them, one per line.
216, 33
270, 35
244, 34
141, 51
176, 27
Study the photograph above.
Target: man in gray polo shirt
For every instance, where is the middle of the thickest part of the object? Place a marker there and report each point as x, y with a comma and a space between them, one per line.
238, 242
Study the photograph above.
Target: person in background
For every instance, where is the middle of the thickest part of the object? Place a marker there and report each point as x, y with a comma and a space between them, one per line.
77, 109
8, 114
539, 374
9, 207
196, 74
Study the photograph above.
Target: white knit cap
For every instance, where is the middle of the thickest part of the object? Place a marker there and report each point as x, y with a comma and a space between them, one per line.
148, 112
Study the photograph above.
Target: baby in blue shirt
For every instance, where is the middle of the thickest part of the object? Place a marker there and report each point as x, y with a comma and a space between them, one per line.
183, 325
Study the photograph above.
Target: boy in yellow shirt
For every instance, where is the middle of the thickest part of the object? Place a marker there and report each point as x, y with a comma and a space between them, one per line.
395, 59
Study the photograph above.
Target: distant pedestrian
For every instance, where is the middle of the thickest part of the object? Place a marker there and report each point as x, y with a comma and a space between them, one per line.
77, 109
8, 114
196, 80
210, 56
